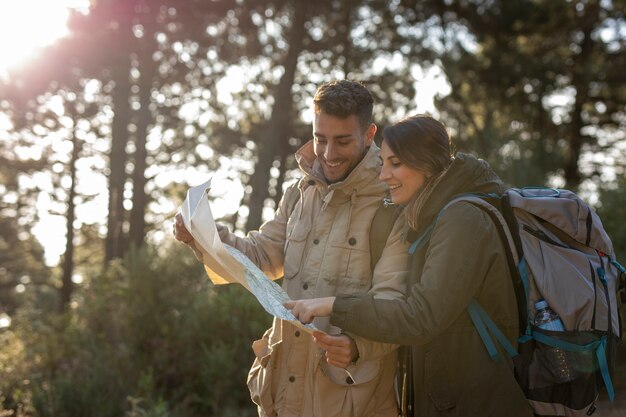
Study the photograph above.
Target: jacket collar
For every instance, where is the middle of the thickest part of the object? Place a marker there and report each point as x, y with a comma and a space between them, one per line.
362, 180
467, 174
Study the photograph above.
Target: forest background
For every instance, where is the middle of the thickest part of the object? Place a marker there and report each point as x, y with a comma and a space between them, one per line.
106, 129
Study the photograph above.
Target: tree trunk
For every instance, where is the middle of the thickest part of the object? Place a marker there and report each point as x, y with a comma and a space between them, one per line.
67, 286
137, 229
279, 125
114, 246
580, 81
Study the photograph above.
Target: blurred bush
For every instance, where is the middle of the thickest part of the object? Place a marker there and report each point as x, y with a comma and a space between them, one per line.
612, 211
150, 337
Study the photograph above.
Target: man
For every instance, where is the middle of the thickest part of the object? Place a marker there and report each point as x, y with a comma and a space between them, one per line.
321, 246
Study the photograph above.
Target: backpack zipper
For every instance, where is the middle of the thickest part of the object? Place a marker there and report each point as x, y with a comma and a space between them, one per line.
605, 284
540, 234
595, 296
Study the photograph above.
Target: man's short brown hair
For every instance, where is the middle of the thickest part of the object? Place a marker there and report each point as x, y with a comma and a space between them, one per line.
344, 98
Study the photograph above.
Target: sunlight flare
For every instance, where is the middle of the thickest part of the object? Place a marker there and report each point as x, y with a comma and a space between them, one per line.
26, 26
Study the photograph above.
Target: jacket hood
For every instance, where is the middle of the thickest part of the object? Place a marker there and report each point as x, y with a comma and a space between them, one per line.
467, 174
363, 179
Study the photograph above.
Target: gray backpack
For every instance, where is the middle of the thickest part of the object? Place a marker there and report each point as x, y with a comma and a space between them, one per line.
559, 252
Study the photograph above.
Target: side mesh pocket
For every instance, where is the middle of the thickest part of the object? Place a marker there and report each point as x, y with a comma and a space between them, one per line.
557, 381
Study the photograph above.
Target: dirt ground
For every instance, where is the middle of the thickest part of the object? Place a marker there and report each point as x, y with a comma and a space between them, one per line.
612, 409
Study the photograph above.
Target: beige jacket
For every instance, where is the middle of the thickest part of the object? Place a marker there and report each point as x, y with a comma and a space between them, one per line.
322, 249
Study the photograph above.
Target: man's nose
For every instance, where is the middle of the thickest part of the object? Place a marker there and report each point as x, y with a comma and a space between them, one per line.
330, 152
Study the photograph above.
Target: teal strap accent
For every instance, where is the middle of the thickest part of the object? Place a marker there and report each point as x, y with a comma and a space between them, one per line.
555, 192
495, 330
604, 368
473, 310
523, 273
561, 344
618, 266
483, 322
420, 241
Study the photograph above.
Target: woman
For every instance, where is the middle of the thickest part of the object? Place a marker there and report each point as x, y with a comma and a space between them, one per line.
462, 258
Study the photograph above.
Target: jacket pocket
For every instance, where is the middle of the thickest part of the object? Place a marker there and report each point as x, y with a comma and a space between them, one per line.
295, 245
262, 372
353, 258
336, 393
362, 373
437, 381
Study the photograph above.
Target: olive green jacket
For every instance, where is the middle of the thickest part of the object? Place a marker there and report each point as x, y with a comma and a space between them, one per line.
464, 259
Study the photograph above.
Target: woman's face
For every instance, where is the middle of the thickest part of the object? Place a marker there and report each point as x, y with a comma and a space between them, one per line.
403, 181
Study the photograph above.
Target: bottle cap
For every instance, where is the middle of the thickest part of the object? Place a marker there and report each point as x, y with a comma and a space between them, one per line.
541, 304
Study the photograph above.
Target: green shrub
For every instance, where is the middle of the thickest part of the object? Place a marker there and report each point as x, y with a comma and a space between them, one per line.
612, 211
150, 337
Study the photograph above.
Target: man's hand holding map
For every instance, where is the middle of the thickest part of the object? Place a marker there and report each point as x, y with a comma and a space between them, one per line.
225, 264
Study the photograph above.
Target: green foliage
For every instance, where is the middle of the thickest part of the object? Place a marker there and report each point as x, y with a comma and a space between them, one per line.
21, 255
21, 265
612, 211
150, 337
613, 214
534, 86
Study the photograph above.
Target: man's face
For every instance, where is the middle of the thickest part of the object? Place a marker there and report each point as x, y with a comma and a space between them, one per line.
340, 144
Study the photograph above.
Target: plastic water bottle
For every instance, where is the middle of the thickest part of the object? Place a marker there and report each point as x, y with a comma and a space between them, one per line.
547, 319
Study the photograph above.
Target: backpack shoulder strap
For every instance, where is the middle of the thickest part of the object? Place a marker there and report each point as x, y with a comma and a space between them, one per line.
479, 201
382, 223
495, 215
488, 202
510, 239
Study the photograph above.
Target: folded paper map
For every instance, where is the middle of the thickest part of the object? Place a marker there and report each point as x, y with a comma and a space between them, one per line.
225, 264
